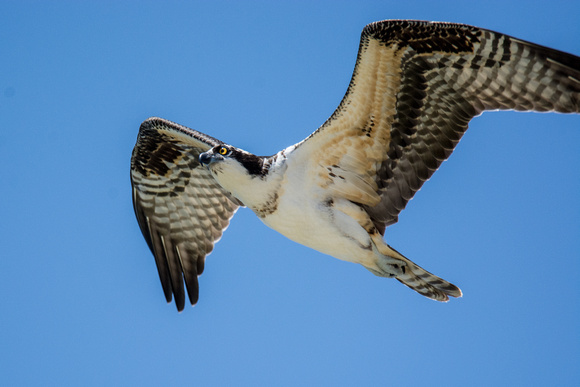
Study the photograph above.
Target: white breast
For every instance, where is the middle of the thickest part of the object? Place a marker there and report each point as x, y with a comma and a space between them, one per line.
304, 215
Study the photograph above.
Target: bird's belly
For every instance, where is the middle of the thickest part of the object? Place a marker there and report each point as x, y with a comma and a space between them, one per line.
322, 228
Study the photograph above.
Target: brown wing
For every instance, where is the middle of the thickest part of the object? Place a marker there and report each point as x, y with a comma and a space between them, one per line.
181, 209
415, 87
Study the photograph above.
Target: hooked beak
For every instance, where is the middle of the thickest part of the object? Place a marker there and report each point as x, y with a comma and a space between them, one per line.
205, 159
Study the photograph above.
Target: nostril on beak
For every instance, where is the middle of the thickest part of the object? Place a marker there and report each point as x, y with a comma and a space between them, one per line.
204, 159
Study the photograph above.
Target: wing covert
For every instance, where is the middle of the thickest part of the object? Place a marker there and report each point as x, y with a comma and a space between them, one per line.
415, 87
182, 211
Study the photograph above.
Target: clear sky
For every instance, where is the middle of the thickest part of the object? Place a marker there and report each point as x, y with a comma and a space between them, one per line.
81, 302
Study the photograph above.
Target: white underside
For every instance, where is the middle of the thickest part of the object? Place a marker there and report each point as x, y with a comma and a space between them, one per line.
302, 210
303, 216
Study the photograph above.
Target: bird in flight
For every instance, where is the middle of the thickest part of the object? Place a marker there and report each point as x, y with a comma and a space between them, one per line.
414, 89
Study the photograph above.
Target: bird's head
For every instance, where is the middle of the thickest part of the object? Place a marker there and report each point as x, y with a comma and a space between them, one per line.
216, 155
226, 158
233, 168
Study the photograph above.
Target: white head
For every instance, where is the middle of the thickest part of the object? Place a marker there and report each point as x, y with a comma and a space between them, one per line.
241, 173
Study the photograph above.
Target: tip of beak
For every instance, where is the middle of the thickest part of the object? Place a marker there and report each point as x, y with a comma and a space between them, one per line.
204, 159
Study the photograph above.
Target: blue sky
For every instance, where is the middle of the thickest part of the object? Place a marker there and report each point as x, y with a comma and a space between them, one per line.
81, 301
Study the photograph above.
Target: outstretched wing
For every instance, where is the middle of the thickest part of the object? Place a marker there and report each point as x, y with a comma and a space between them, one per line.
415, 87
181, 209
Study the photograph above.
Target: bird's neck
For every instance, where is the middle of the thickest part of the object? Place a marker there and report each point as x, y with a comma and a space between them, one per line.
258, 191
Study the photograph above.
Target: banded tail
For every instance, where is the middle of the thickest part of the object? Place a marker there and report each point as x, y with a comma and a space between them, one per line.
427, 284
394, 264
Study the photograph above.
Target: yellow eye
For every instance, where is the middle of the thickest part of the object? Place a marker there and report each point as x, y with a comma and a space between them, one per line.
223, 151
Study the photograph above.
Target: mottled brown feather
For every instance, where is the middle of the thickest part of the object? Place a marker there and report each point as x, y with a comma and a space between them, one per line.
415, 87
181, 209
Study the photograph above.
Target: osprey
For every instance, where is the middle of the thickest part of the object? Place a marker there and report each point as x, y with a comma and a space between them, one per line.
415, 87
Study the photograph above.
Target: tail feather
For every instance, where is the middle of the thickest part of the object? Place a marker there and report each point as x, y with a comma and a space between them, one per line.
391, 263
394, 264
427, 284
